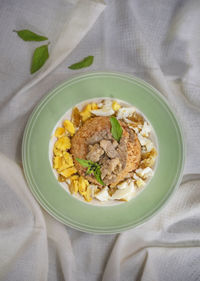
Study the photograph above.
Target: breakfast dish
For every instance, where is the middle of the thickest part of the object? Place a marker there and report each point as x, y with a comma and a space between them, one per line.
104, 151
110, 216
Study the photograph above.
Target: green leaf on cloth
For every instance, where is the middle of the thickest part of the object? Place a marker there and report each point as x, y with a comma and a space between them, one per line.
40, 55
86, 62
28, 35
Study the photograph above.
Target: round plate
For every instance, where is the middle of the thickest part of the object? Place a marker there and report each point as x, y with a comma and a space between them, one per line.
66, 208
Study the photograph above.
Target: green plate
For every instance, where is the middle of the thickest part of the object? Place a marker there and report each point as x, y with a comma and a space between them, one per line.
66, 208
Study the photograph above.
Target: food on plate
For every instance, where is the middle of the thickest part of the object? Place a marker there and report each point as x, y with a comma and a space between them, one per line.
105, 151
94, 142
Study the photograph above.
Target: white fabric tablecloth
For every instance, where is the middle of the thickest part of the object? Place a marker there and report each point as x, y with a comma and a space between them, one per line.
158, 41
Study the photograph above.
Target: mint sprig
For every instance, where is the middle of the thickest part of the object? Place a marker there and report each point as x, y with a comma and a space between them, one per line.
93, 168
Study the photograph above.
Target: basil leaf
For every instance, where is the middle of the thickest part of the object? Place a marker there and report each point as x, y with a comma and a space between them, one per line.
97, 174
116, 128
28, 35
84, 163
93, 168
84, 63
90, 170
39, 58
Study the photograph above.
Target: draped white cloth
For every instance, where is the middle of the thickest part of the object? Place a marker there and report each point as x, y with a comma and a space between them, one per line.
157, 41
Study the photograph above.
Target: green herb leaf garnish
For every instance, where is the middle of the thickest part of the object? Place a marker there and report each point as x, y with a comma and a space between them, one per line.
97, 174
28, 35
116, 129
93, 168
89, 170
85, 163
41, 54
84, 63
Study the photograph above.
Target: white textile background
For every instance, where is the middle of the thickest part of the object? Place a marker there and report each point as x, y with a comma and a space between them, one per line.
158, 41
